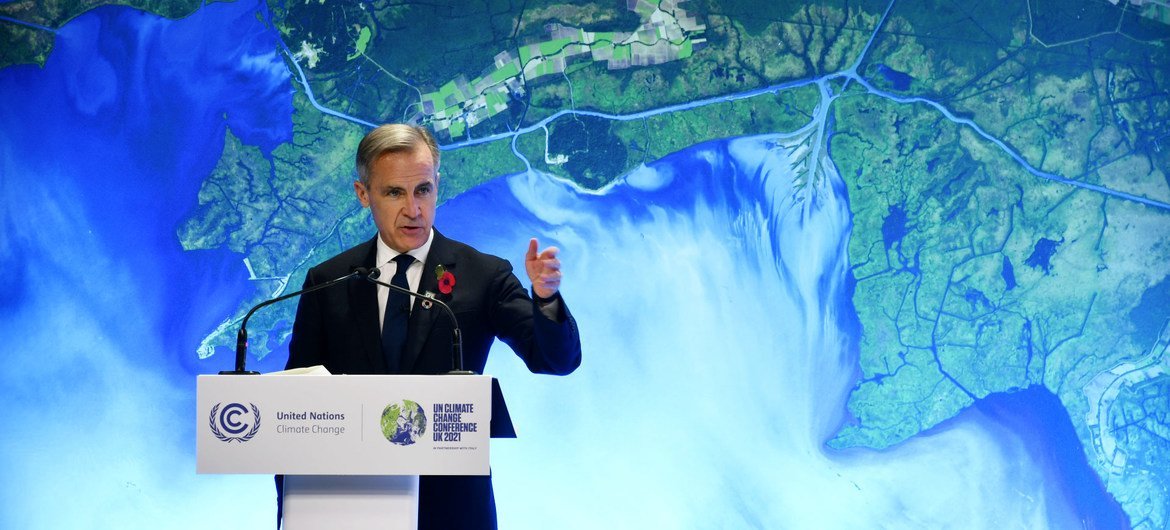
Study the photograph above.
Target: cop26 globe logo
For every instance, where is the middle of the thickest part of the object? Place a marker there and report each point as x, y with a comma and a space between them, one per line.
230, 422
403, 423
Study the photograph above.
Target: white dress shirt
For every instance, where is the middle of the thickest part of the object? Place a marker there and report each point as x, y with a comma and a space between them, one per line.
384, 259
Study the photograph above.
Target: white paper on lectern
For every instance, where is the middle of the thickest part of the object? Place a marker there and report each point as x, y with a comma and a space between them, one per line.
316, 369
333, 425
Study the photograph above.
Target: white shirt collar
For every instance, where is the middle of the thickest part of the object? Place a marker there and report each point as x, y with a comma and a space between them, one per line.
385, 254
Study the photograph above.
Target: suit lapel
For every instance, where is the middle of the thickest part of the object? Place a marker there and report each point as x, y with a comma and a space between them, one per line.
422, 319
364, 296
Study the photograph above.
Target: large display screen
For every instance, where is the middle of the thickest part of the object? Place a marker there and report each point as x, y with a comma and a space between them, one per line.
836, 264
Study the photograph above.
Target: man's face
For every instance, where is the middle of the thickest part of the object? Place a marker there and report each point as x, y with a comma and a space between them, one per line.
401, 197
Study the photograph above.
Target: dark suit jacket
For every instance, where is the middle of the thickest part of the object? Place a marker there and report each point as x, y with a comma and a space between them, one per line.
338, 327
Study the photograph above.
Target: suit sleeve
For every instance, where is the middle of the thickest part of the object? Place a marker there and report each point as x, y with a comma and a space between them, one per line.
545, 345
306, 348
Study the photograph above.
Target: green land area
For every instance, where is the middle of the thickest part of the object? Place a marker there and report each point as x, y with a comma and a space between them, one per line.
975, 275
284, 213
591, 151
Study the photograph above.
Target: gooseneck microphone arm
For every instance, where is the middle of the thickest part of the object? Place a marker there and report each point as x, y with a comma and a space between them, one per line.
242, 336
456, 335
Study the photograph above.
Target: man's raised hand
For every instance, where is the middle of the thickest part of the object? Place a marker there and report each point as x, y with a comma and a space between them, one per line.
544, 269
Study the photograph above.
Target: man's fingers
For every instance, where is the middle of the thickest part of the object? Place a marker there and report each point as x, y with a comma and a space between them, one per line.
550, 252
548, 275
544, 269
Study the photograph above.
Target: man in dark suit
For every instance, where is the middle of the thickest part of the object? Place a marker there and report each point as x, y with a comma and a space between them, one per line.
360, 328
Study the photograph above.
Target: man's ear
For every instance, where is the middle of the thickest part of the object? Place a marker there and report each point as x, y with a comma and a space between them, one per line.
362, 193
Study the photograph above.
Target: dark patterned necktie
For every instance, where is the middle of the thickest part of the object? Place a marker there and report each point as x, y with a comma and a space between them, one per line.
397, 314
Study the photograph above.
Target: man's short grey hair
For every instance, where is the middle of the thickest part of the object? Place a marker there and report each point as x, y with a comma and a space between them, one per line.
392, 138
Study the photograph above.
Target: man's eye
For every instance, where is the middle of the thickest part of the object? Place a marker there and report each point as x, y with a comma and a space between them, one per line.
393, 193
423, 192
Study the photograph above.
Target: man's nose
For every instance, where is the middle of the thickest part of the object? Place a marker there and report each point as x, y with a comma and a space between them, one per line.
412, 206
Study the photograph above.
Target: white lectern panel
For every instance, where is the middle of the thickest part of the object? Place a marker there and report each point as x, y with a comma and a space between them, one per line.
343, 424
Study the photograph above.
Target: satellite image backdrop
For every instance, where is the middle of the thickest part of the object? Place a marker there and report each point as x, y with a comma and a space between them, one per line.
837, 264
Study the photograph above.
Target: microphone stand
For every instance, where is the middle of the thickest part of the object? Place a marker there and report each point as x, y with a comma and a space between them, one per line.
457, 336
242, 336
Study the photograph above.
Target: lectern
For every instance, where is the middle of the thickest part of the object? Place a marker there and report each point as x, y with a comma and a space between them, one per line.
351, 447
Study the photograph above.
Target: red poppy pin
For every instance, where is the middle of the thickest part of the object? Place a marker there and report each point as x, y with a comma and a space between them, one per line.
446, 279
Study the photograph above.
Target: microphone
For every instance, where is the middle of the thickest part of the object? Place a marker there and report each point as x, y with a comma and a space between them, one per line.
456, 335
242, 336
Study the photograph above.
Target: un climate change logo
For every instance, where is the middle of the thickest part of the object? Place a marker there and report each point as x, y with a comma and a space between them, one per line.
228, 421
403, 423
